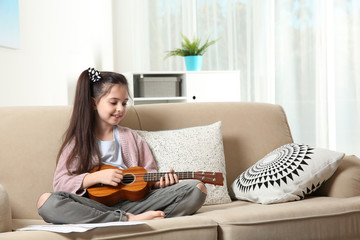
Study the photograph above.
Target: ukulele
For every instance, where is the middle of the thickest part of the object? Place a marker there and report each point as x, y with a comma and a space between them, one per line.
137, 181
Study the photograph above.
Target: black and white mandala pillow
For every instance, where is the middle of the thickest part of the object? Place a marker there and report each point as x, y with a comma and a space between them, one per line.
286, 174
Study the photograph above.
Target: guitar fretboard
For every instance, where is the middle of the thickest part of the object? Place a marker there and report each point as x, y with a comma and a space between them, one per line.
152, 177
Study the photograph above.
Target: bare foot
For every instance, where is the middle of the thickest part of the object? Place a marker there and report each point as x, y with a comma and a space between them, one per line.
150, 215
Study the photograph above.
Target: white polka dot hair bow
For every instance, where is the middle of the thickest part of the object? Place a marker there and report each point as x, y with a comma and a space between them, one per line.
94, 75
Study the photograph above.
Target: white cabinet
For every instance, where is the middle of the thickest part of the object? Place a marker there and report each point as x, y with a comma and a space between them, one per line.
213, 86
202, 86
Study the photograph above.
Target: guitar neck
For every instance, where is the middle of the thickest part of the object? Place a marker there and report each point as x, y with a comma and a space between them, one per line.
215, 178
153, 177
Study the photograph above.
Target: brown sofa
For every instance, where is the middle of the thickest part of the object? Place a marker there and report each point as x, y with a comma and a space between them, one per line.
31, 136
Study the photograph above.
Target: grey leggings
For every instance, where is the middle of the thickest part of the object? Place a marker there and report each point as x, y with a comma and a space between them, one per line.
180, 199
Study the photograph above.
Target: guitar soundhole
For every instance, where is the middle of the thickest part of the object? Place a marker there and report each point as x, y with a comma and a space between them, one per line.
128, 179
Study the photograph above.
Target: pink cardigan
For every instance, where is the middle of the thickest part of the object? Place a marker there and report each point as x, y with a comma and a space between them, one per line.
135, 152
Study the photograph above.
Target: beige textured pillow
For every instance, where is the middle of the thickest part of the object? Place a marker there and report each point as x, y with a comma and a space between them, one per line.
191, 149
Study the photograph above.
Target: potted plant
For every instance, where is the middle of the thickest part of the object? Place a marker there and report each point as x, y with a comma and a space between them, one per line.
192, 51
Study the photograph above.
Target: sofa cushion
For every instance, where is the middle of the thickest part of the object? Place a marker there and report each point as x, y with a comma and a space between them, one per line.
311, 218
287, 173
191, 149
186, 227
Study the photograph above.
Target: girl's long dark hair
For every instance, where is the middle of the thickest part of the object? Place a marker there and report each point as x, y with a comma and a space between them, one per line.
81, 130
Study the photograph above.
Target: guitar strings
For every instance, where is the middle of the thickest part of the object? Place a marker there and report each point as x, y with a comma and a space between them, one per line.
155, 176
163, 174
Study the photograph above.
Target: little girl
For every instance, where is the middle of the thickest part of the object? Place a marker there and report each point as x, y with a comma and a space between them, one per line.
94, 138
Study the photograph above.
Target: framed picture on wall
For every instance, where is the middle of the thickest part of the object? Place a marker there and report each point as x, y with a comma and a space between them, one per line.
9, 24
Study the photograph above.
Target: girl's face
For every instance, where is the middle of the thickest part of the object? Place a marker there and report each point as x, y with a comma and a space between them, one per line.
111, 108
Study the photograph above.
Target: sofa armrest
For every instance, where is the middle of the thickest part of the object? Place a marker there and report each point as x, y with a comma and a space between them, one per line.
5, 211
346, 180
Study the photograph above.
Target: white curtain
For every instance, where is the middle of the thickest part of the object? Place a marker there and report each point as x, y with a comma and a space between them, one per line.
301, 54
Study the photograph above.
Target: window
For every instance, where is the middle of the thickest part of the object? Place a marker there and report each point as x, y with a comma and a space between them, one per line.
301, 54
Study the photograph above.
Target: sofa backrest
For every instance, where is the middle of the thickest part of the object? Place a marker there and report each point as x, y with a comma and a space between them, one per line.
250, 130
31, 136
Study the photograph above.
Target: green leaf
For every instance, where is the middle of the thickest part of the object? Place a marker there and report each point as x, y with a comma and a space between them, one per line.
190, 48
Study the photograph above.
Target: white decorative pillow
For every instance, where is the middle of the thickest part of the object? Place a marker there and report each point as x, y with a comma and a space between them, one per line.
191, 149
286, 174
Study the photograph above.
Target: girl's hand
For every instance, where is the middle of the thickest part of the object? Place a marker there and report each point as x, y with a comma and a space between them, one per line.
167, 180
110, 177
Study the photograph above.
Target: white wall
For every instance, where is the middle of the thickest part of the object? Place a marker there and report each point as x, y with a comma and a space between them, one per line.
58, 39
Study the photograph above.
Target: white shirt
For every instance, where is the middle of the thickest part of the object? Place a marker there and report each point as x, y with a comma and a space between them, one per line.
110, 151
